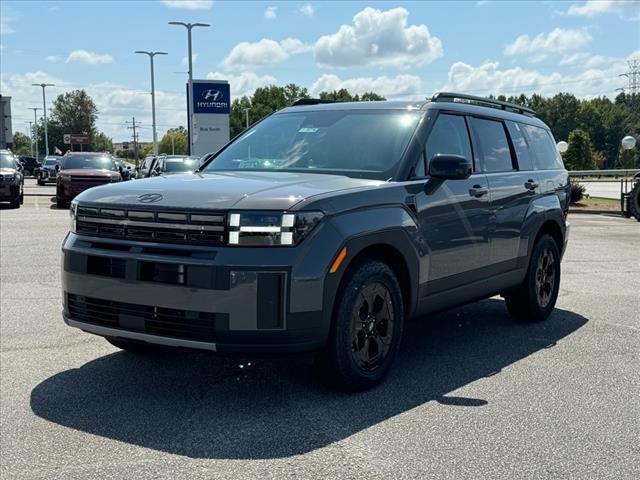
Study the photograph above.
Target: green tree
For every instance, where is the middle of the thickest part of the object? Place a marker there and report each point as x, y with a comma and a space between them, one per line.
102, 143
628, 158
21, 144
579, 155
174, 141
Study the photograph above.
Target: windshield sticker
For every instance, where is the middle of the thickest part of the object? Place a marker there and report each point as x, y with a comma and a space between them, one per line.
308, 130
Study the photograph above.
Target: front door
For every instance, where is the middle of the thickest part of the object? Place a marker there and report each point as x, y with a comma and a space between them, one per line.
454, 219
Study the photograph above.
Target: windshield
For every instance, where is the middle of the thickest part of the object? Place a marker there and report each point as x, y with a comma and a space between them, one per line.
180, 165
6, 161
100, 162
50, 161
361, 143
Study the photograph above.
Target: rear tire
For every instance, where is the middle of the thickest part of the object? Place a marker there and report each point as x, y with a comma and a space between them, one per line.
634, 201
535, 298
15, 203
132, 346
41, 183
366, 330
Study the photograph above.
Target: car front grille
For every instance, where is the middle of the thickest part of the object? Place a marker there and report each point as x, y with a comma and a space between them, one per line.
164, 226
90, 180
168, 322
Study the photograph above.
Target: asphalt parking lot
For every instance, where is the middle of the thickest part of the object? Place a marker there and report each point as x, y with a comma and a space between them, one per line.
473, 395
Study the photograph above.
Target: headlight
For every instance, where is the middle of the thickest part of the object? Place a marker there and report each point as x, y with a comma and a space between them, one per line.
270, 228
65, 178
73, 210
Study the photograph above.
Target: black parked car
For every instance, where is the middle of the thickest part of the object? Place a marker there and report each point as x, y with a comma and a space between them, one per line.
30, 165
324, 227
48, 171
11, 179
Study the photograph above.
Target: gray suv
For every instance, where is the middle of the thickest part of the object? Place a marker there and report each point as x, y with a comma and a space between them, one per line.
324, 227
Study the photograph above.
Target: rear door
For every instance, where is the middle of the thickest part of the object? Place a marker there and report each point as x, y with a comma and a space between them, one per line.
454, 219
512, 188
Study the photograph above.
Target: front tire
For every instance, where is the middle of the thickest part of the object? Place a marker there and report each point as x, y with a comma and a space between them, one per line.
535, 298
366, 330
60, 203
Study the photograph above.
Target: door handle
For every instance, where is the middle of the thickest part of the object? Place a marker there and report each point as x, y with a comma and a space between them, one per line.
530, 185
478, 191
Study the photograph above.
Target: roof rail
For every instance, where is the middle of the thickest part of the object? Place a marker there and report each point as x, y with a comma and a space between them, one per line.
451, 97
310, 101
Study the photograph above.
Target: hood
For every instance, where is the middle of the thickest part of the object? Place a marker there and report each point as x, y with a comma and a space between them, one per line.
88, 172
225, 190
8, 171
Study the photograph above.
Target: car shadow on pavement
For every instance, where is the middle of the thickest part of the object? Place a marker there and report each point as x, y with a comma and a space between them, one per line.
206, 406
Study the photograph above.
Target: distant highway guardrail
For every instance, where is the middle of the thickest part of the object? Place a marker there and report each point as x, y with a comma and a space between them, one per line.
604, 173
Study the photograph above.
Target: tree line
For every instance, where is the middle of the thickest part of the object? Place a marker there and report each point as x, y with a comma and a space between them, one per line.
593, 128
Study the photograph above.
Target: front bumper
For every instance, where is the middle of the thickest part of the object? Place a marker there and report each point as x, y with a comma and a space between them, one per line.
9, 192
223, 299
567, 231
68, 190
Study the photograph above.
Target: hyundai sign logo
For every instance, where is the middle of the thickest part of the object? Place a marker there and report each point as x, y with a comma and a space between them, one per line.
150, 197
211, 98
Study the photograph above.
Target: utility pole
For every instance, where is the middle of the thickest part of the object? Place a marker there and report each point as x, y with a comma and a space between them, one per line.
35, 132
44, 107
633, 76
153, 97
189, 27
133, 127
31, 135
246, 115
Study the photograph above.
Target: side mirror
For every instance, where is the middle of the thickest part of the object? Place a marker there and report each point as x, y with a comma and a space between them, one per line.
450, 167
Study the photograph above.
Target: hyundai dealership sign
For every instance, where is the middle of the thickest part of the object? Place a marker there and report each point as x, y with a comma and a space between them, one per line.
211, 105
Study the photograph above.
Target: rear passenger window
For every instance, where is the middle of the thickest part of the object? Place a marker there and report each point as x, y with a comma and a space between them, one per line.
545, 153
449, 136
494, 147
521, 146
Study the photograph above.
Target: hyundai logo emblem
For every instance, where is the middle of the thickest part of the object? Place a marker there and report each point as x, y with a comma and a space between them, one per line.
150, 197
214, 95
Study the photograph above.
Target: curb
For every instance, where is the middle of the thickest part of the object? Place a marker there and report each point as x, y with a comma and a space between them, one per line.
594, 211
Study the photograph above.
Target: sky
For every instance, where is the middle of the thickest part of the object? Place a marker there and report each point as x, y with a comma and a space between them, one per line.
402, 50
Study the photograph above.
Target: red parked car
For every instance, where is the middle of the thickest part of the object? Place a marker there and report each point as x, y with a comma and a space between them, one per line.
79, 171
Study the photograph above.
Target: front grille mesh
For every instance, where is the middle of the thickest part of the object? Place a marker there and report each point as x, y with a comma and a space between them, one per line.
163, 226
184, 324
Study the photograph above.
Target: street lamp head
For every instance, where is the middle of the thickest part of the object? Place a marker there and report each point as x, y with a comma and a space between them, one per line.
628, 142
200, 25
43, 85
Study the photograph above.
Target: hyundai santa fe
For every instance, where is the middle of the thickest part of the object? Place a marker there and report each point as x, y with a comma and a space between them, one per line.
324, 228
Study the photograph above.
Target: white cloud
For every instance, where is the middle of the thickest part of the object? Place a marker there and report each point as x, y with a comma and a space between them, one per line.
244, 83
194, 58
489, 78
91, 58
189, 4
6, 26
556, 41
54, 58
587, 60
389, 87
263, 52
380, 38
626, 9
270, 13
307, 10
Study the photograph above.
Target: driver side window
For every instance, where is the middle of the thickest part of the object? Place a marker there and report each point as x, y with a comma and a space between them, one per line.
448, 136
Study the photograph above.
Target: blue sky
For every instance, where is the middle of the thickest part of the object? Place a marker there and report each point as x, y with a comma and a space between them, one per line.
398, 49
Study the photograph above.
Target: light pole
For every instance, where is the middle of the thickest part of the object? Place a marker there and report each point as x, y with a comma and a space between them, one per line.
153, 97
246, 116
189, 27
35, 131
44, 106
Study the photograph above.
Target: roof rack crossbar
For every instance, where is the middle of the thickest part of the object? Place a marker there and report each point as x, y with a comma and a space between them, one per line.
310, 101
451, 97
